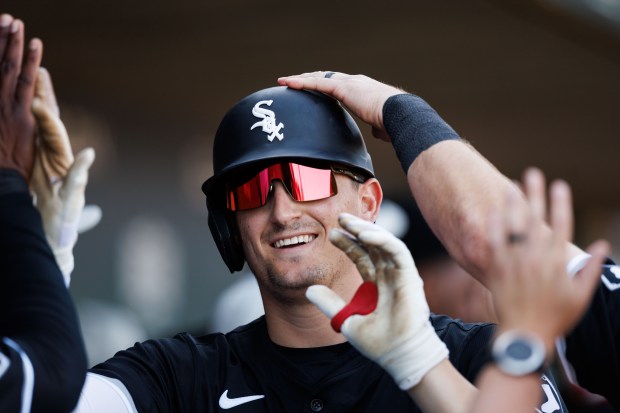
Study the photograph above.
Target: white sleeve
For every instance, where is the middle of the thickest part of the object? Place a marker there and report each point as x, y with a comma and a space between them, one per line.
28, 373
102, 394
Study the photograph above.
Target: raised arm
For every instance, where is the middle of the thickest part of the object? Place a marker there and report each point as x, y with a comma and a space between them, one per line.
454, 186
42, 356
456, 190
535, 298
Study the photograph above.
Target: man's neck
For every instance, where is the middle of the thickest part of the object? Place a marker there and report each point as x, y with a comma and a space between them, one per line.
299, 324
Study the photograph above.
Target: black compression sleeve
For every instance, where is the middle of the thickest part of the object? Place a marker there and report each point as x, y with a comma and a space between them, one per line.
36, 310
413, 126
11, 181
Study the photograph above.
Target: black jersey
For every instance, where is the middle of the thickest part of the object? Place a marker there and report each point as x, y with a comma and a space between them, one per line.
246, 371
592, 347
42, 356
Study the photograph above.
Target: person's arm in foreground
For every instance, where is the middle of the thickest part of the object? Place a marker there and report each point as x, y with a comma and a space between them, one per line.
42, 355
454, 186
456, 189
532, 292
397, 334
58, 182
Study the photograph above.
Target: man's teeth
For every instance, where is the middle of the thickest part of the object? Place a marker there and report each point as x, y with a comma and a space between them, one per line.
302, 239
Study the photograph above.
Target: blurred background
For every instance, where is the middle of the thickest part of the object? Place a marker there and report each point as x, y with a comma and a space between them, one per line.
146, 82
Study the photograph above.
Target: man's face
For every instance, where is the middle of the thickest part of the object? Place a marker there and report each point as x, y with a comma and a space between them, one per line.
286, 243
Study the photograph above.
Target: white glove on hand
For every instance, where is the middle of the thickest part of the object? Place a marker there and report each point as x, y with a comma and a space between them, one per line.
58, 182
61, 205
397, 334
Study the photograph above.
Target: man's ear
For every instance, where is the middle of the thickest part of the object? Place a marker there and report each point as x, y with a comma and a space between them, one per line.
371, 196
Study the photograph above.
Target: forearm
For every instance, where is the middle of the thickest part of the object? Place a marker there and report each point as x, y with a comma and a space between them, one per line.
36, 309
455, 189
513, 394
444, 389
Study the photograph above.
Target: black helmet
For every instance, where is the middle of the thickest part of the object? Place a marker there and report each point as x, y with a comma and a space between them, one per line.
271, 124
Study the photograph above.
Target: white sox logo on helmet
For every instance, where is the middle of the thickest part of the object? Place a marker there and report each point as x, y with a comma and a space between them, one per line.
268, 121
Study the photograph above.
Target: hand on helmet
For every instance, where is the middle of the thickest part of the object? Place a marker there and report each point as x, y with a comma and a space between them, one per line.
360, 94
58, 180
397, 334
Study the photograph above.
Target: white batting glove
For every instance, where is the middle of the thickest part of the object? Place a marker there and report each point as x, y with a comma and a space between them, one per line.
397, 334
58, 180
61, 205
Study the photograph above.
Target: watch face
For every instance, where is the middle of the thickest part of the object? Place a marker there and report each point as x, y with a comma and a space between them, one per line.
518, 353
519, 349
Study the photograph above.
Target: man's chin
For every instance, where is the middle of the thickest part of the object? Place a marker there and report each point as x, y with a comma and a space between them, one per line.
295, 281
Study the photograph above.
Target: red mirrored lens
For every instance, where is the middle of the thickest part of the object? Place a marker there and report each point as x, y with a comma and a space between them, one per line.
303, 183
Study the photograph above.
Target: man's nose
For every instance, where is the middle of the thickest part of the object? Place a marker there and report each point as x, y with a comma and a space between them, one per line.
283, 206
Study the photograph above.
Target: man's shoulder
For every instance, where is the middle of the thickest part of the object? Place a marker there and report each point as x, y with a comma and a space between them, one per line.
244, 337
468, 343
445, 326
182, 366
247, 335
461, 337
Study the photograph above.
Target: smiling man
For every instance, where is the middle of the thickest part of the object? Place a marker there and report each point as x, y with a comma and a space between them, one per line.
291, 171
262, 192
290, 168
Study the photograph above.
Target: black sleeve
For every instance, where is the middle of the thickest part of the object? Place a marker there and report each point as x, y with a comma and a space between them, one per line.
470, 351
147, 370
42, 355
592, 347
161, 375
468, 343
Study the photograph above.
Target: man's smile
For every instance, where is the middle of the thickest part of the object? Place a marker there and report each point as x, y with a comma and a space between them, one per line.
294, 241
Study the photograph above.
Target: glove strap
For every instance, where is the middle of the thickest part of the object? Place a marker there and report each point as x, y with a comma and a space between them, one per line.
410, 361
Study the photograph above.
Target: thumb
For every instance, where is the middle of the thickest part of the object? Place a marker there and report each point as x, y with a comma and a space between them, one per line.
90, 218
54, 138
39, 183
75, 182
325, 299
44, 90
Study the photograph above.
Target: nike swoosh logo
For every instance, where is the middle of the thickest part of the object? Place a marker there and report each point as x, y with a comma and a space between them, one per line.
227, 403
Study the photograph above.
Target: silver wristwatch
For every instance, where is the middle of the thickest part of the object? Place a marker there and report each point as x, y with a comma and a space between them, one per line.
518, 353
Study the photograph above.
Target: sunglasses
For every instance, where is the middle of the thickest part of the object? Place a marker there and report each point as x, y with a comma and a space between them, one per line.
303, 183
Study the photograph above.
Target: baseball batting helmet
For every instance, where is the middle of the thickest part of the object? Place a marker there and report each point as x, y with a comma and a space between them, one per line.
270, 125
